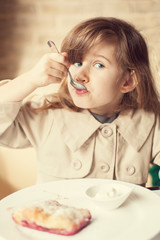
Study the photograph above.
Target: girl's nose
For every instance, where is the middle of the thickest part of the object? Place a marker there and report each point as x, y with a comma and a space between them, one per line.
81, 80
82, 77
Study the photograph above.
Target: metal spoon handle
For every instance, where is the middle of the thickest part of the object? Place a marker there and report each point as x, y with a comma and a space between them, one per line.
52, 45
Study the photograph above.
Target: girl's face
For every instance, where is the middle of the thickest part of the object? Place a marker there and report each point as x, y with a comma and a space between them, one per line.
103, 78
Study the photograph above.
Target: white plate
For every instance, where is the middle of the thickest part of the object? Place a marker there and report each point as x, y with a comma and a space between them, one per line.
138, 218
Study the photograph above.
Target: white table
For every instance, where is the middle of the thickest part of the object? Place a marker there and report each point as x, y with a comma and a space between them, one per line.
158, 236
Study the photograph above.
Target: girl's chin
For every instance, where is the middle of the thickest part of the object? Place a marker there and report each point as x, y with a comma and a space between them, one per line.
81, 105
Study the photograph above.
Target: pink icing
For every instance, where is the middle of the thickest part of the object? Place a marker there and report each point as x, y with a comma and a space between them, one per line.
64, 232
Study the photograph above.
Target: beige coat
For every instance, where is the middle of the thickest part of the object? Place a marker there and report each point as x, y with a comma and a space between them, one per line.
76, 145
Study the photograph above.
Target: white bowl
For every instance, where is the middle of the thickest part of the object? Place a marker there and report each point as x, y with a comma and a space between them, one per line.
109, 196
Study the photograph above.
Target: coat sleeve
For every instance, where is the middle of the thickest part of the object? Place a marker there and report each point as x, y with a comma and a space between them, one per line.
21, 127
11, 131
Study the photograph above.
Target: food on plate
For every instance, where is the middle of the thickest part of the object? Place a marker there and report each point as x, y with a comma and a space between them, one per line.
109, 194
53, 217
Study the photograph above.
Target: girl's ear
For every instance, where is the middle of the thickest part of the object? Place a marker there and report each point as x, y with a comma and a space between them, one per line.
130, 83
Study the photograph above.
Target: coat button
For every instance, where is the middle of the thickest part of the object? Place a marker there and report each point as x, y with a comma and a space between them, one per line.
104, 167
106, 132
77, 164
131, 170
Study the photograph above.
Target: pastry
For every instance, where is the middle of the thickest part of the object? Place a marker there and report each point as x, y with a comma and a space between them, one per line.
53, 217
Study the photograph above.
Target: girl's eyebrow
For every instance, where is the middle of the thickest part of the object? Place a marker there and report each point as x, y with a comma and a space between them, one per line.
98, 55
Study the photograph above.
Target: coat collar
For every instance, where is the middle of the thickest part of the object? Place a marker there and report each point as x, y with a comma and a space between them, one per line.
135, 126
77, 127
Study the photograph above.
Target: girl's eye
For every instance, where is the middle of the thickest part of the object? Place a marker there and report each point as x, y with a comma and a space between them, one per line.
78, 64
99, 65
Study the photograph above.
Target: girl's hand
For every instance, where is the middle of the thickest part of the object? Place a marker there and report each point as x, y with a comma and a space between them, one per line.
52, 68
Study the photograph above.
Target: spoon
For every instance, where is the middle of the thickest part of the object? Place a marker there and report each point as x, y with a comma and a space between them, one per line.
75, 84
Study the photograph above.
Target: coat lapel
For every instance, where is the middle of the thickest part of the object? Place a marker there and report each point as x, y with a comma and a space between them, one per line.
76, 127
135, 126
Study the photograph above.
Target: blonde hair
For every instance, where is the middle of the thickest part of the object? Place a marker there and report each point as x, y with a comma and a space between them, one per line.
131, 54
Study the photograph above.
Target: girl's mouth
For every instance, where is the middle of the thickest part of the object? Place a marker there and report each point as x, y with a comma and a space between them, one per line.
81, 92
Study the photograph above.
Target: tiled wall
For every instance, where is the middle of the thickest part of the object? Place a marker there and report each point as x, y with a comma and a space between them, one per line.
26, 25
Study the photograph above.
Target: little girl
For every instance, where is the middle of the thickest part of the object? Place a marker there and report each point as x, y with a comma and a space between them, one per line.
109, 128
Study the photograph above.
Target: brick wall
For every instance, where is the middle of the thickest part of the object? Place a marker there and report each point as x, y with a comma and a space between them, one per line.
26, 25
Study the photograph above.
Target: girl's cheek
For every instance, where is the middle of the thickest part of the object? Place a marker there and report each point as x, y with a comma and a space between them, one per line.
69, 85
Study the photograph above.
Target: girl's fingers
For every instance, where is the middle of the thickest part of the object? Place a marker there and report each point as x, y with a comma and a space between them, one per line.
59, 58
52, 68
58, 66
57, 73
53, 80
